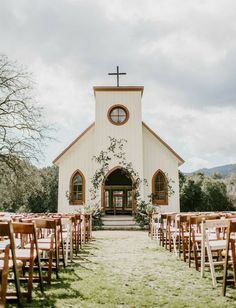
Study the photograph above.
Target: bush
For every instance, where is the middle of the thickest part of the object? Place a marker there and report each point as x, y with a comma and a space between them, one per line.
97, 218
142, 216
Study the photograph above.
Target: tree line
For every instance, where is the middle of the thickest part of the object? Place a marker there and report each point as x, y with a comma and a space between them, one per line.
34, 190
200, 193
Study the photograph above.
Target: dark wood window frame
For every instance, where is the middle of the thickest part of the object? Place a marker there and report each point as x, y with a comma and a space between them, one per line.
72, 200
155, 200
121, 107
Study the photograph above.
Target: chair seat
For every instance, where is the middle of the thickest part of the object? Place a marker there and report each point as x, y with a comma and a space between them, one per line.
24, 254
45, 239
6, 242
173, 229
217, 244
10, 264
198, 236
45, 245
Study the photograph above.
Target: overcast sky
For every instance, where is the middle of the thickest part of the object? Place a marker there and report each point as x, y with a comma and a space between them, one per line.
182, 52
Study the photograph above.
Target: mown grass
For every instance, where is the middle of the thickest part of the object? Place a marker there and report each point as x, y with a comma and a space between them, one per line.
126, 269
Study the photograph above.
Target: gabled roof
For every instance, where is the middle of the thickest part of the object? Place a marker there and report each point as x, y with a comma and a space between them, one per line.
72, 143
181, 161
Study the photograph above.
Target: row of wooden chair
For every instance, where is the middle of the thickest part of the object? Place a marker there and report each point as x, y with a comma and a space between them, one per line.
32, 244
202, 239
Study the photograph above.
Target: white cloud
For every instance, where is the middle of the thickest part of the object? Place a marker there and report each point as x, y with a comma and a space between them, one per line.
183, 52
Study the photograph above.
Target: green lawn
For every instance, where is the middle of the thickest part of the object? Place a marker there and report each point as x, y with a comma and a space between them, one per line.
127, 269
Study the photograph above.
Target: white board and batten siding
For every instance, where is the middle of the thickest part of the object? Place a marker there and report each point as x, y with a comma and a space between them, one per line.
146, 152
79, 156
156, 156
129, 131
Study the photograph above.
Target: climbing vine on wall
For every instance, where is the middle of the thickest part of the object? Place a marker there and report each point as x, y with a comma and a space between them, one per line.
116, 151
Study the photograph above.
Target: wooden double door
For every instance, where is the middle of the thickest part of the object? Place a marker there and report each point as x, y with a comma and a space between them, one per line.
118, 200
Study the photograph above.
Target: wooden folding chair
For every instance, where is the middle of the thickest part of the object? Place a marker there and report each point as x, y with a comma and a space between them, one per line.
60, 241
77, 232
6, 234
28, 254
213, 242
86, 228
4, 269
230, 252
48, 243
195, 239
154, 226
67, 235
183, 238
162, 239
171, 231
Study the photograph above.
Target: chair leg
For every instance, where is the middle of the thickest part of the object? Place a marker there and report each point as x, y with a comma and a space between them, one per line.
57, 260
30, 280
225, 271
212, 268
50, 257
195, 255
4, 285
67, 250
234, 260
40, 273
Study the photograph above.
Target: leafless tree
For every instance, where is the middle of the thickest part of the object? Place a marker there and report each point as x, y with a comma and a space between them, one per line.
22, 131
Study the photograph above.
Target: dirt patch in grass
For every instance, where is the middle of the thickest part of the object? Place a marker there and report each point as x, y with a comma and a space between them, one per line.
127, 269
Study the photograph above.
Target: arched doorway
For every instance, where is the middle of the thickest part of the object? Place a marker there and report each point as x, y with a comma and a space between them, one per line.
117, 192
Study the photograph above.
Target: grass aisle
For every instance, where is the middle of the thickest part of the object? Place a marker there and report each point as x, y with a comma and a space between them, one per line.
127, 269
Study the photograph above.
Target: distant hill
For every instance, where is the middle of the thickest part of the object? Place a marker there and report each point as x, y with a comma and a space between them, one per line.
225, 170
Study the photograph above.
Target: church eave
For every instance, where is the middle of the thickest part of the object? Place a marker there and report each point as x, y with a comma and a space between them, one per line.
180, 159
118, 89
72, 143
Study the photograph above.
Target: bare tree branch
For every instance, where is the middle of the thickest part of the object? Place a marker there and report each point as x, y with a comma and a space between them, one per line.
22, 132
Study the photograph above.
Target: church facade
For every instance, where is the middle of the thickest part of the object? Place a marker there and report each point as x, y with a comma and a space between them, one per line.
118, 115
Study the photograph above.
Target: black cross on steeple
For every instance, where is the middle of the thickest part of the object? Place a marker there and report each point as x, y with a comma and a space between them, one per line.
117, 75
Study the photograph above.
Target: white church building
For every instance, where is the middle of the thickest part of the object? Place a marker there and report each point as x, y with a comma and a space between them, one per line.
118, 114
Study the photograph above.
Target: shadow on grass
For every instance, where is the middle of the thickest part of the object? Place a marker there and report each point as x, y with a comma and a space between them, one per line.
63, 287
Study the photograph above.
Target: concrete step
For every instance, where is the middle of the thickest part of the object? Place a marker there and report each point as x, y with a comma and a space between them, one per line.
119, 222
121, 227
117, 217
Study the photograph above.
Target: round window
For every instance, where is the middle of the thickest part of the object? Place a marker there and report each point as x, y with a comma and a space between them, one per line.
118, 114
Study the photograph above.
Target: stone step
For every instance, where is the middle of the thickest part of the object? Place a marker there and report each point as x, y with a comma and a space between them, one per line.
121, 228
117, 217
118, 222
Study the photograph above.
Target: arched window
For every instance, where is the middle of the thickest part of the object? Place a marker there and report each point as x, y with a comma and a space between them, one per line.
77, 188
160, 188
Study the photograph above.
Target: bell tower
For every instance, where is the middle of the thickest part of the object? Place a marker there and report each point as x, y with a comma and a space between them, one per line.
118, 115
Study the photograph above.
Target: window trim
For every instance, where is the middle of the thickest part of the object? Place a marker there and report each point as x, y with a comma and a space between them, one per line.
77, 202
154, 200
118, 106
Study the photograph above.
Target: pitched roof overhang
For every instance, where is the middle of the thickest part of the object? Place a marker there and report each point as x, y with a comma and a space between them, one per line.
180, 159
72, 143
